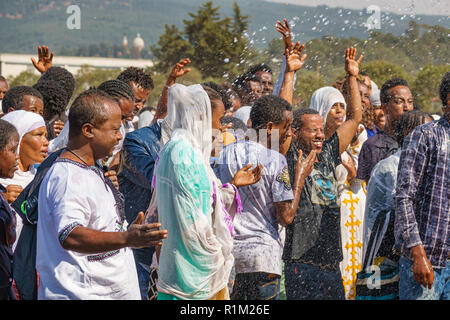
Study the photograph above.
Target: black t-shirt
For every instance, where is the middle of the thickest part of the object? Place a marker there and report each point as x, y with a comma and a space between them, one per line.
314, 236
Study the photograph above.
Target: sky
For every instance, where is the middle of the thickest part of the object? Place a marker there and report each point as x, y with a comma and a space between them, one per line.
429, 7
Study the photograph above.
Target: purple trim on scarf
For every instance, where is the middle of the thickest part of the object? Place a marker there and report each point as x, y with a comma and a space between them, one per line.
228, 219
237, 197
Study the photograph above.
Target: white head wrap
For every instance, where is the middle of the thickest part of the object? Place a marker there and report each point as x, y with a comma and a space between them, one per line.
324, 98
243, 113
375, 95
24, 121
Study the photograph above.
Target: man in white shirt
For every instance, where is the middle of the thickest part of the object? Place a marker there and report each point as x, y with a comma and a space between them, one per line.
82, 237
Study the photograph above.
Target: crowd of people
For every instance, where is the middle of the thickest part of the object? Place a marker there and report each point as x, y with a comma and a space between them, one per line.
223, 190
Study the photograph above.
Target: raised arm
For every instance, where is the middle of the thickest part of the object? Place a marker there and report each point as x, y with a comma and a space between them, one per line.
178, 70
286, 209
293, 63
45, 59
348, 129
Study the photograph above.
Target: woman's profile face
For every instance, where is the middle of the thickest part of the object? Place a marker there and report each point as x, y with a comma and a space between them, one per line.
335, 116
34, 146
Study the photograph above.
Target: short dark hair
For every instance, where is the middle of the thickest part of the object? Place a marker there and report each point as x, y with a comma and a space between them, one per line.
14, 97
7, 130
259, 67
88, 107
297, 115
63, 77
269, 108
391, 83
117, 89
408, 121
236, 123
2, 78
138, 76
55, 97
444, 88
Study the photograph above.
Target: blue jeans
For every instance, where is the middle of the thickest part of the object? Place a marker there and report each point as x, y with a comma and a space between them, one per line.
411, 290
256, 286
143, 269
309, 282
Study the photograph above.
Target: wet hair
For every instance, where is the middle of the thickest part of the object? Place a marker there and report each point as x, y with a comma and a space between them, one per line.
236, 123
89, 107
269, 108
408, 121
138, 76
297, 115
391, 83
259, 67
55, 97
63, 77
444, 88
212, 95
117, 89
2, 78
230, 95
7, 130
14, 97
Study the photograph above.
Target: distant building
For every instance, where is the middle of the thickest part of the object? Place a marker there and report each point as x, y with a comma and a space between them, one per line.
12, 64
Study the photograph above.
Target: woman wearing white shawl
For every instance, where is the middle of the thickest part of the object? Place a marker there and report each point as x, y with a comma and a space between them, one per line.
196, 259
352, 192
32, 149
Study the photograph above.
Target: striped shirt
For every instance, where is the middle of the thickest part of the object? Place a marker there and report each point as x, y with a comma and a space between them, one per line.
422, 200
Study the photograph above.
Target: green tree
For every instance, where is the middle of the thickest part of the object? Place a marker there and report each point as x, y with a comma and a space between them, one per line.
171, 48
425, 87
88, 76
25, 78
380, 71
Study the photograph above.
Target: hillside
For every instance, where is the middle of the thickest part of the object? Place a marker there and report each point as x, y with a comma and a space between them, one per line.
29, 23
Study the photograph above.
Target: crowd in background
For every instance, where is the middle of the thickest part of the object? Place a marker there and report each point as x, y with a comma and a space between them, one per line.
223, 190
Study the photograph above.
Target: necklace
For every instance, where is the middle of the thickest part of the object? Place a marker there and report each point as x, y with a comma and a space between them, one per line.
77, 157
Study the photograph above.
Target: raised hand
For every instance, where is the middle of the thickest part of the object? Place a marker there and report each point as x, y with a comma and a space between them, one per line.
351, 64
293, 60
285, 30
58, 125
351, 168
304, 167
44, 59
246, 177
179, 69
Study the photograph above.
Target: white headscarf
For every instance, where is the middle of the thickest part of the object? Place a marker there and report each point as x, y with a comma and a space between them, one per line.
324, 98
206, 238
243, 113
375, 95
24, 121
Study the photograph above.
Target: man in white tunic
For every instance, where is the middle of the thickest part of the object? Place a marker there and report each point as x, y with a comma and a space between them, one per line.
83, 245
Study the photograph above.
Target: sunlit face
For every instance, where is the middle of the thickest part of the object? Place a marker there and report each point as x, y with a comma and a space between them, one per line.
34, 146
364, 92
266, 82
127, 107
107, 135
10, 158
335, 117
284, 132
380, 119
140, 96
311, 134
217, 113
33, 104
4, 87
400, 101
